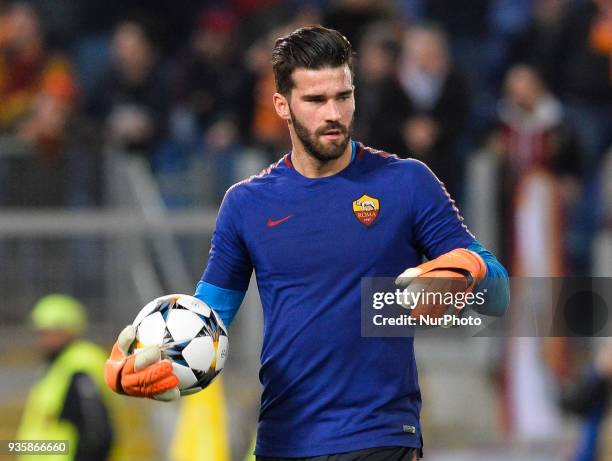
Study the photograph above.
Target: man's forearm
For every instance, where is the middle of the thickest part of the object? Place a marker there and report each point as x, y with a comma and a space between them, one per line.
495, 285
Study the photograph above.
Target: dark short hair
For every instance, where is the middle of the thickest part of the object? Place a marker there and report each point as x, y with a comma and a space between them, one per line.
312, 47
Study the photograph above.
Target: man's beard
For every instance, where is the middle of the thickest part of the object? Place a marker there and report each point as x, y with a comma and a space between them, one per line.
314, 147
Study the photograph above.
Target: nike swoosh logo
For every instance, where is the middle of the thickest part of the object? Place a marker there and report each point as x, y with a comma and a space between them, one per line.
271, 223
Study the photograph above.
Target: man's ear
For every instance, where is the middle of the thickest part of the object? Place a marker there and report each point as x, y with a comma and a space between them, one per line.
281, 104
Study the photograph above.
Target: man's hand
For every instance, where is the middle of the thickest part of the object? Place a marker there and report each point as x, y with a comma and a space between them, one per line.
142, 374
457, 271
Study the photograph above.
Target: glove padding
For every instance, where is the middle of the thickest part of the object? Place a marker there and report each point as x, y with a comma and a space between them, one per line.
457, 271
143, 374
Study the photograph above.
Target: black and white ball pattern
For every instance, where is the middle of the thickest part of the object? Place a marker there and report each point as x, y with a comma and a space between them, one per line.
191, 334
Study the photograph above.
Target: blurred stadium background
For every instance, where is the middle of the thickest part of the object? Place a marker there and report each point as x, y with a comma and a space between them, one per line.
122, 123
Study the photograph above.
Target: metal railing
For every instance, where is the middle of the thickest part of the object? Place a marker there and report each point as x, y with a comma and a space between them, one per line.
113, 258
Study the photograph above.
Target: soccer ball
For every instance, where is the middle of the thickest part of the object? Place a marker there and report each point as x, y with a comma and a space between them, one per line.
191, 334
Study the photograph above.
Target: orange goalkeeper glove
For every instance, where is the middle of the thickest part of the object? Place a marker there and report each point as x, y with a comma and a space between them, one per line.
142, 374
457, 271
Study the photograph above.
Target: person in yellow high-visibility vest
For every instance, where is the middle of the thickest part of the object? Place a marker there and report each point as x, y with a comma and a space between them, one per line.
70, 402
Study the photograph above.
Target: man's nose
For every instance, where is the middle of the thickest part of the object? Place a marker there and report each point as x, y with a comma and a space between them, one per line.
332, 113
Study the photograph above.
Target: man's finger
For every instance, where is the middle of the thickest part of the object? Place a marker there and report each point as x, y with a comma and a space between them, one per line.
404, 279
126, 338
149, 381
147, 356
169, 395
413, 295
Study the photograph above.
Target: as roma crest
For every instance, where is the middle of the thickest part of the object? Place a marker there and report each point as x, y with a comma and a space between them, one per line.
366, 209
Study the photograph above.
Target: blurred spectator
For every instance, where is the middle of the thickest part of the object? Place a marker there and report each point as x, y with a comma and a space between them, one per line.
534, 137
259, 17
47, 153
465, 23
53, 158
133, 98
540, 186
540, 182
589, 398
427, 117
439, 102
352, 17
535, 41
70, 402
67, 23
213, 85
505, 20
61, 23
27, 67
581, 72
268, 130
467, 18
382, 104
170, 23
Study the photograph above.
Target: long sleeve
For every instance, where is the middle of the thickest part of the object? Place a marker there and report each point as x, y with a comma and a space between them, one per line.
495, 286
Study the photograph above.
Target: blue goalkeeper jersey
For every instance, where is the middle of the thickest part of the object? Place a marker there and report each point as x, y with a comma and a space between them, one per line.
326, 389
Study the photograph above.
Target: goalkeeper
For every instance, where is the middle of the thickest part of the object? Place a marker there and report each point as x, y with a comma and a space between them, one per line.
311, 226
